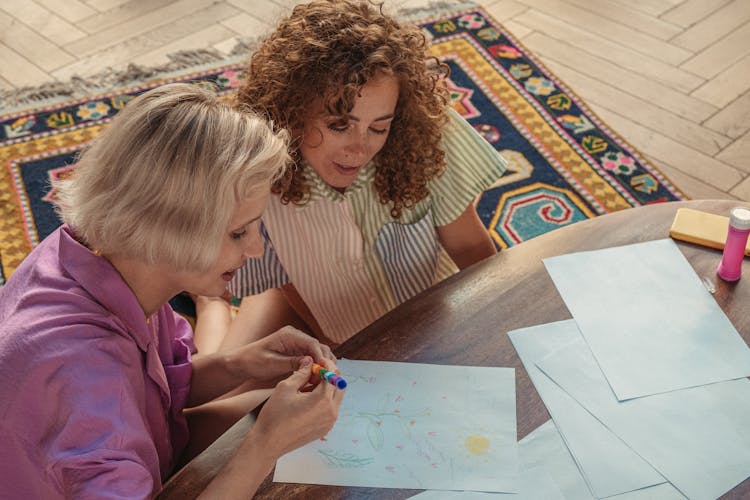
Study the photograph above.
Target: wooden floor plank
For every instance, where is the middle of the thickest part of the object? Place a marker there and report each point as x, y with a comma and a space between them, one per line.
31, 45
701, 166
691, 12
70, 10
693, 188
742, 190
626, 80
505, 10
126, 30
737, 153
587, 20
42, 21
642, 111
727, 85
19, 71
651, 7
246, 25
614, 52
734, 119
129, 50
120, 14
628, 16
714, 27
721, 55
206, 37
105, 5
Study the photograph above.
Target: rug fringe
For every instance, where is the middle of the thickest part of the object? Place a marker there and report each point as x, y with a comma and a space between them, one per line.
107, 79
435, 7
48, 93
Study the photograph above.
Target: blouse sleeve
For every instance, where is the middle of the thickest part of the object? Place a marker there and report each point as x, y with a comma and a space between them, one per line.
89, 434
472, 165
262, 273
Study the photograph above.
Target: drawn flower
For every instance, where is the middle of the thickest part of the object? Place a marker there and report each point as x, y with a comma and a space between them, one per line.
477, 444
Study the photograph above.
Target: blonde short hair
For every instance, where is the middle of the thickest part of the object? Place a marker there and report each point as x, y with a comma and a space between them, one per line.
162, 181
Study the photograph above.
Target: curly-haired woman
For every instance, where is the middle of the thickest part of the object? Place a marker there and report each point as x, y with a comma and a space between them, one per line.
379, 204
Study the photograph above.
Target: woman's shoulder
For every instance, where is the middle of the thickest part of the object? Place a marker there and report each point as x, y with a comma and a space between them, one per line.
47, 313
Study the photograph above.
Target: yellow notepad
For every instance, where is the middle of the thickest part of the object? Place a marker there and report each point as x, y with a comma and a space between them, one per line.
701, 228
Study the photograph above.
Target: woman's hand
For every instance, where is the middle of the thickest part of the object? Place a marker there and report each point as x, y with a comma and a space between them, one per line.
290, 418
293, 416
277, 355
257, 365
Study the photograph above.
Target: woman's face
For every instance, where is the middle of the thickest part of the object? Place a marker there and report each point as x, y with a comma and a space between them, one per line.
240, 241
337, 149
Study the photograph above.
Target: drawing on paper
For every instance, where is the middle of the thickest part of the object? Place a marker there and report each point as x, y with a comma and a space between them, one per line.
386, 425
344, 460
477, 445
411, 425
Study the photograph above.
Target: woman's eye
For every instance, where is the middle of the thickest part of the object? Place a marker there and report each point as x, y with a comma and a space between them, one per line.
338, 127
239, 235
379, 131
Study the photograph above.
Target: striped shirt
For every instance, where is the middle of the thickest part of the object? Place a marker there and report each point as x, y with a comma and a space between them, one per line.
350, 261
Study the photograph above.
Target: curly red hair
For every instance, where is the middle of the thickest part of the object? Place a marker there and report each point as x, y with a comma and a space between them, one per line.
331, 48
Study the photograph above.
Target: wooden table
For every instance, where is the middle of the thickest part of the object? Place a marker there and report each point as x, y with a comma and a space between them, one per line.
464, 321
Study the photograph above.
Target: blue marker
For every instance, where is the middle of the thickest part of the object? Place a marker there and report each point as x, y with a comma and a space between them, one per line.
329, 376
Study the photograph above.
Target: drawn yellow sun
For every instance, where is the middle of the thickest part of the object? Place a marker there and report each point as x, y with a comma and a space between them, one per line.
478, 445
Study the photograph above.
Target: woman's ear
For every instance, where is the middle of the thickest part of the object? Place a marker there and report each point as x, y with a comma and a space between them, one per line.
311, 136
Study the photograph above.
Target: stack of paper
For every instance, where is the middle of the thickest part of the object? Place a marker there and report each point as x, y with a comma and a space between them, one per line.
652, 358
646, 388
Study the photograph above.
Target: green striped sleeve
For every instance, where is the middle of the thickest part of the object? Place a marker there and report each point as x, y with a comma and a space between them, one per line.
472, 165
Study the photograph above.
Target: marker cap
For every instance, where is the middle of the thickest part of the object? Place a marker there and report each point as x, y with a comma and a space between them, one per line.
739, 218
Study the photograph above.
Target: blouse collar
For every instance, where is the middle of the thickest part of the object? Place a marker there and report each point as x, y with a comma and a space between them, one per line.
319, 189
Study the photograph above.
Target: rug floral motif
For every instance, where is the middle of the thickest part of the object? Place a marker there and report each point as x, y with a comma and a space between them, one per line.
566, 165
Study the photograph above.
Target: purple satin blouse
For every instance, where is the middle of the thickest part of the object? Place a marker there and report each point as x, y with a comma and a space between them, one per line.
91, 395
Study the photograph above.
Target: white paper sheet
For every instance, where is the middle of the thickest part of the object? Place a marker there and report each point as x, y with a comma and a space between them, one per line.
546, 467
548, 472
697, 438
545, 449
609, 466
412, 425
649, 321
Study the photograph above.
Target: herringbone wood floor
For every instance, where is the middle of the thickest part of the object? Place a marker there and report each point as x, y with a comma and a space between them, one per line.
671, 76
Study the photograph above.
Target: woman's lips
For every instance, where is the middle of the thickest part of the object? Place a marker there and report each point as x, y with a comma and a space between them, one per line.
227, 276
345, 169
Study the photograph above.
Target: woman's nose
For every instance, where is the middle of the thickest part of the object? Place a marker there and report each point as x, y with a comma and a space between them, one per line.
356, 147
253, 246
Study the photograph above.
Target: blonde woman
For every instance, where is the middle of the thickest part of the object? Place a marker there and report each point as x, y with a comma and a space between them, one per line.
96, 368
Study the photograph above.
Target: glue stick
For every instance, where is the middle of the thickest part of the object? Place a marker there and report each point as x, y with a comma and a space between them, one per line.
730, 267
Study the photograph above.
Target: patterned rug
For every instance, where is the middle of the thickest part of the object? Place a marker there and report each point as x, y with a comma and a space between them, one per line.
565, 164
